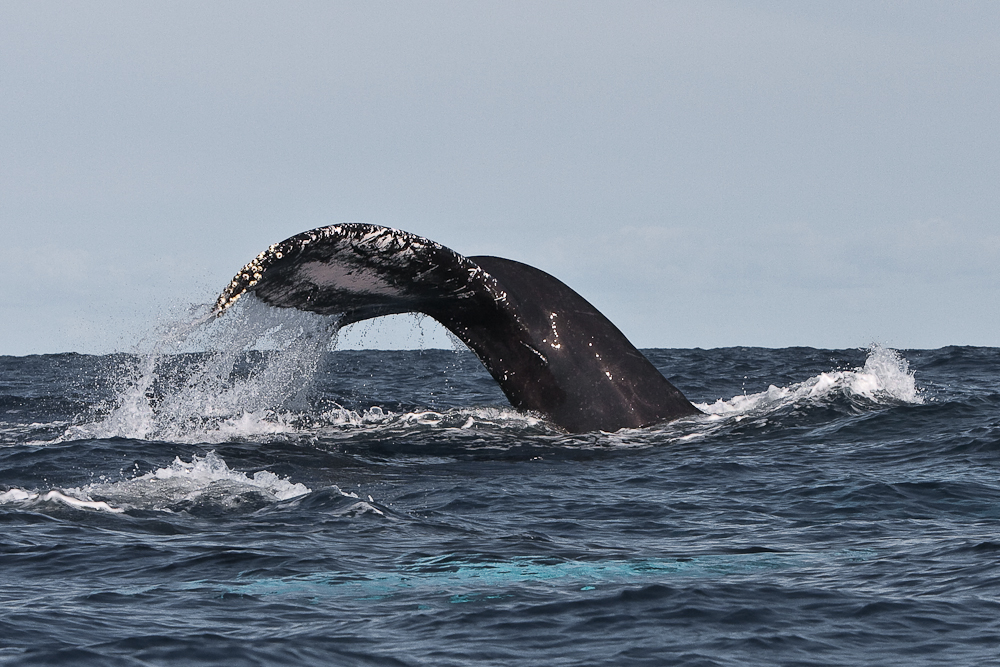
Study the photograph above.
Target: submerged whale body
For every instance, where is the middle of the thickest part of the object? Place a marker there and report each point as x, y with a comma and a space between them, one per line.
549, 349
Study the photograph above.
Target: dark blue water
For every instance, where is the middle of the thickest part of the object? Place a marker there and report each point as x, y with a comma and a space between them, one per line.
386, 508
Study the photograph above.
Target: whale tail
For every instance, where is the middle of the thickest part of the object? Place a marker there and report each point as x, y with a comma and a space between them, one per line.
549, 349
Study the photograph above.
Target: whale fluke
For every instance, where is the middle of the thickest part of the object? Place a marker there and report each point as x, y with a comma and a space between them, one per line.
549, 349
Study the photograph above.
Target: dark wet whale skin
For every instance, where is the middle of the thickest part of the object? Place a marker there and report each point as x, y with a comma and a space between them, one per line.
549, 349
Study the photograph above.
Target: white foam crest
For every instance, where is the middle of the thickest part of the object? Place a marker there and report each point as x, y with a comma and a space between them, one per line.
340, 416
21, 496
885, 378
466, 418
460, 418
219, 394
204, 479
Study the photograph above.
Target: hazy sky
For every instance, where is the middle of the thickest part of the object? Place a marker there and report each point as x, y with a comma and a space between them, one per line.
706, 173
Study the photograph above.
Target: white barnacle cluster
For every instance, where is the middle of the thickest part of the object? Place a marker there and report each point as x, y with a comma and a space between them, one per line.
380, 238
359, 238
251, 274
391, 245
248, 277
555, 333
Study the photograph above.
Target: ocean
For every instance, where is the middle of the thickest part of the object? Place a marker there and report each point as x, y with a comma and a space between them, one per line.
244, 493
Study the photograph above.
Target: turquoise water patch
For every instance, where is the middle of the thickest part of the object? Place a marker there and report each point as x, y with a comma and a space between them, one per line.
466, 581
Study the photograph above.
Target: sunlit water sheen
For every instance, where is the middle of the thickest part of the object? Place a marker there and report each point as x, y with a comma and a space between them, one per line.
268, 501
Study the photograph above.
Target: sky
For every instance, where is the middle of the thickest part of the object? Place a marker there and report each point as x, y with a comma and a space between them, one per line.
706, 173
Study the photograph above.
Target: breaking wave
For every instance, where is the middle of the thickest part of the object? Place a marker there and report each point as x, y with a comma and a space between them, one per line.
204, 481
886, 378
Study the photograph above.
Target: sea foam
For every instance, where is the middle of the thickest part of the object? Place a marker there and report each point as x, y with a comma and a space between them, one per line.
885, 378
205, 480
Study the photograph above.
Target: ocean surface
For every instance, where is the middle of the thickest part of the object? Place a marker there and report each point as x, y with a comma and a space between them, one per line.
243, 493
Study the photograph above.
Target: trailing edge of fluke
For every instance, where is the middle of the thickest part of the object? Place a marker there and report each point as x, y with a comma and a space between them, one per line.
550, 350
